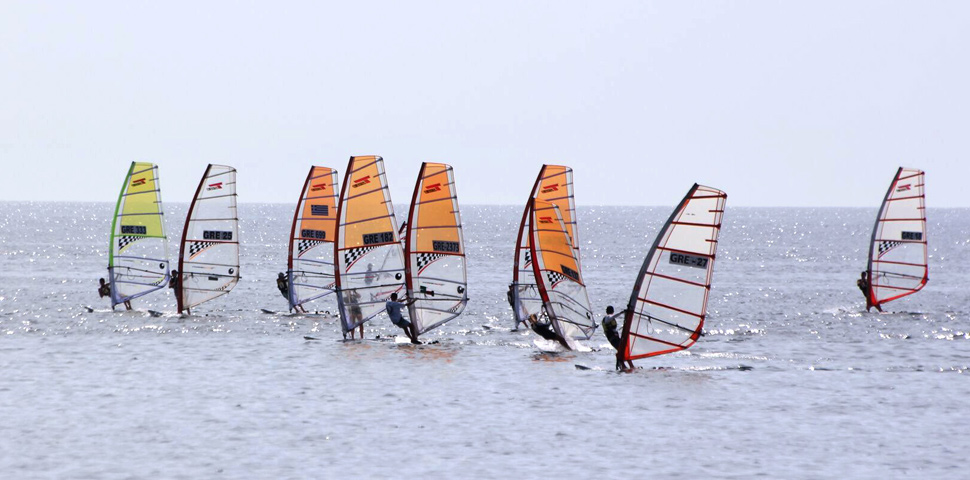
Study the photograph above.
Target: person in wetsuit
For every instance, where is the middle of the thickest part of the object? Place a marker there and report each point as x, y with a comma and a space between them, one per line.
546, 331
394, 308
863, 284
609, 327
284, 285
104, 290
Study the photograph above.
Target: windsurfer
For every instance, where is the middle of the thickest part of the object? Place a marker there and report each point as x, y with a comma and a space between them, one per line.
545, 330
284, 285
863, 284
104, 290
609, 327
394, 310
352, 297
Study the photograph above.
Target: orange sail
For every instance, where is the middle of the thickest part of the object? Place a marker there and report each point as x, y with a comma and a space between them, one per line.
435, 250
558, 274
554, 184
369, 257
310, 259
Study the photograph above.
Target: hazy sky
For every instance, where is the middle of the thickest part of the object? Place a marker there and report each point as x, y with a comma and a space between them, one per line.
777, 103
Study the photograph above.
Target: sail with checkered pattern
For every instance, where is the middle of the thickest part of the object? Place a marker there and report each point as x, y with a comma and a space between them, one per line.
434, 247
367, 249
668, 304
554, 184
558, 273
138, 250
310, 260
897, 252
209, 257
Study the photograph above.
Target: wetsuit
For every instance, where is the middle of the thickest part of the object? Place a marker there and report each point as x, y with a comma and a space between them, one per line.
609, 329
546, 331
283, 286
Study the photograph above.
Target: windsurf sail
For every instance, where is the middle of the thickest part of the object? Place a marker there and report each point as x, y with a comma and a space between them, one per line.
435, 250
554, 184
557, 272
668, 305
370, 259
209, 255
310, 259
897, 253
138, 247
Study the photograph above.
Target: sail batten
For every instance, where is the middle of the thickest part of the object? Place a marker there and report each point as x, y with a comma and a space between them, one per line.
138, 230
898, 252
434, 246
209, 255
668, 304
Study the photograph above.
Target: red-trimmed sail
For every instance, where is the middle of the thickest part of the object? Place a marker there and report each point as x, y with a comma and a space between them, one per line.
668, 304
310, 266
209, 253
557, 273
434, 248
554, 184
897, 252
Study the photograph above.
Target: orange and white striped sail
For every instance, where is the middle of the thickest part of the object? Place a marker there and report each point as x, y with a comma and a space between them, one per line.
209, 257
435, 249
557, 272
668, 305
310, 259
554, 184
897, 252
368, 252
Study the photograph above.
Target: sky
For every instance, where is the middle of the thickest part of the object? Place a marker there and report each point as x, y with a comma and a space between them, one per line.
778, 103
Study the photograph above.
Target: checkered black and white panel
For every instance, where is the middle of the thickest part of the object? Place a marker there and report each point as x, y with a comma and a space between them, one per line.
887, 246
125, 240
196, 248
351, 256
555, 277
426, 258
305, 245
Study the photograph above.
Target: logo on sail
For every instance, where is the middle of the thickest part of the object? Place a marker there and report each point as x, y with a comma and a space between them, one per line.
545, 219
214, 186
138, 183
433, 188
903, 188
361, 181
550, 188
318, 187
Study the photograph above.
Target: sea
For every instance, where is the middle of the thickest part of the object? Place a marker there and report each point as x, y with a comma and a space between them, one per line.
792, 379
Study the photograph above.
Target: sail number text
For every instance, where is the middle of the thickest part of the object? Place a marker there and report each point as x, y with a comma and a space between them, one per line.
375, 238
688, 260
216, 235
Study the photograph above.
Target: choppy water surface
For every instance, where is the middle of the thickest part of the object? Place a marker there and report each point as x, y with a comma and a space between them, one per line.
793, 378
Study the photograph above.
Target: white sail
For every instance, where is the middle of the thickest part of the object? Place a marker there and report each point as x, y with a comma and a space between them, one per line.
558, 273
897, 252
668, 304
209, 257
435, 248
138, 251
310, 260
370, 259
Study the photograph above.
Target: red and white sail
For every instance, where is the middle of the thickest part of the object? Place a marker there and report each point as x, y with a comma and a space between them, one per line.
898, 253
668, 305
209, 254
